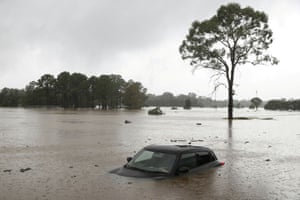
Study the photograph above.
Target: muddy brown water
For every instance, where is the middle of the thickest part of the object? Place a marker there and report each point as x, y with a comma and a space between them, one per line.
68, 154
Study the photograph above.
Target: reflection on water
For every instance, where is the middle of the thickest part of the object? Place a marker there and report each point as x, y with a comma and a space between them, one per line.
70, 153
229, 129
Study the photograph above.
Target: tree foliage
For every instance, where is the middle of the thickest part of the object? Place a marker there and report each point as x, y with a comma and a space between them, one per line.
169, 99
11, 97
234, 36
134, 95
283, 105
76, 90
256, 102
187, 104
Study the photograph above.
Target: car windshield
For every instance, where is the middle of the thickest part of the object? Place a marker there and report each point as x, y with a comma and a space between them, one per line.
151, 161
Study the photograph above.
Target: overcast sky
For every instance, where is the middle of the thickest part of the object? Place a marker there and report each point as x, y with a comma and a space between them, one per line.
138, 39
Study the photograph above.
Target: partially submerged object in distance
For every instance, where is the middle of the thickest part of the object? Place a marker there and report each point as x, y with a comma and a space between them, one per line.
155, 111
161, 161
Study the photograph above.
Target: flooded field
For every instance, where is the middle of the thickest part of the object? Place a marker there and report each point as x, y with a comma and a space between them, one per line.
68, 154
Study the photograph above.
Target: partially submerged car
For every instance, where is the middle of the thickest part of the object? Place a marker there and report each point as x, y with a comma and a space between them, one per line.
160, 161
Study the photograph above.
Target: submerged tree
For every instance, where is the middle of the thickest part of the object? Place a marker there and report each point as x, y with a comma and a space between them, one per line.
11, 97
256, 101
134, 95
187, 104
63, 89
234, 36
46, 89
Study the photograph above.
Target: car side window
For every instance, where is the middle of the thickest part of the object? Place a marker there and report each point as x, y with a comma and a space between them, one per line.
193, 160
188, 160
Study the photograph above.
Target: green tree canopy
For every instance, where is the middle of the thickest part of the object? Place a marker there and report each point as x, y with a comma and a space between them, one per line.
256, 101
76, 90
233, 37
135, 95
11, 97
63, 89
46, 89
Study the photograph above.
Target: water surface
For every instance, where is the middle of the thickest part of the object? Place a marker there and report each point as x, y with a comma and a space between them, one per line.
71, 152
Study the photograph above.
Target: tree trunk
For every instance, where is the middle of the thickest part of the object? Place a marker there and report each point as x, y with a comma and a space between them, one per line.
230, 101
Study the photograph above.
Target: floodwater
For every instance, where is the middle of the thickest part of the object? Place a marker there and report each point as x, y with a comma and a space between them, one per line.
70, 153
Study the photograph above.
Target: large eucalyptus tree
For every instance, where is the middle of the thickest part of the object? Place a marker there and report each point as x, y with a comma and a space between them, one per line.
234, 36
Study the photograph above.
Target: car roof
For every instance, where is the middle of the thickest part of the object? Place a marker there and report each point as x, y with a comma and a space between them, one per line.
177, 149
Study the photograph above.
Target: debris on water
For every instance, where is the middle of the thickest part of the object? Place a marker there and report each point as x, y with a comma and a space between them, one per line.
199, 124
25, 169
127, 121
267, 118
96, 165
129, 183
247, 142
197, 140
155, 111
267, 160
74, 176
71, 167
177, 140
7, 170
269, 146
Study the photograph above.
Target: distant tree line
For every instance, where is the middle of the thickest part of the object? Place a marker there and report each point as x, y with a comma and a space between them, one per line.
283, 105
168, 99
76, 90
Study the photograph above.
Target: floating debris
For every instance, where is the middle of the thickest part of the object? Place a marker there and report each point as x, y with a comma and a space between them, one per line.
199, 124
155, 111
25, 169
267, 160
127, 121
7, 170
96, 165
246, 142
267, 118
184, 140
71, 167
197, 140
177, 140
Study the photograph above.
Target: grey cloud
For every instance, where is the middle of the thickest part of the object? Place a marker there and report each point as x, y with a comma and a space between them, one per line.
83, 31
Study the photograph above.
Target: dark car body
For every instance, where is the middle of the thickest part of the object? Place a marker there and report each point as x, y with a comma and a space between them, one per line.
179, 159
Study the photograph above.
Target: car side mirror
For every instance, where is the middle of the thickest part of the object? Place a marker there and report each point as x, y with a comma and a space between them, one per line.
129, 159
183, 170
